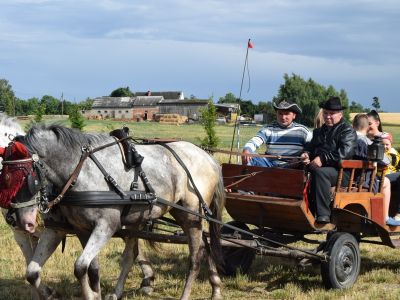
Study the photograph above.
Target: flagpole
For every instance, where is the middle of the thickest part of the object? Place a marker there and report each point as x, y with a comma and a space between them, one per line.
237, 123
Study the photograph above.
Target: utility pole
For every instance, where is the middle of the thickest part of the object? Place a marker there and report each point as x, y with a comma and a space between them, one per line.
62, 104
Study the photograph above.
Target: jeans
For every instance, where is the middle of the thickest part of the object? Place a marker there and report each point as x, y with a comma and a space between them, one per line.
263, 162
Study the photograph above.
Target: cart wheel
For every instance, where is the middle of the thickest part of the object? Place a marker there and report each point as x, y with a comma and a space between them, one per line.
236, 258
343, 267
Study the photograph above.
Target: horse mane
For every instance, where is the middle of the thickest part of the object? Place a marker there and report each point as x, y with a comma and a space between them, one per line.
70, 139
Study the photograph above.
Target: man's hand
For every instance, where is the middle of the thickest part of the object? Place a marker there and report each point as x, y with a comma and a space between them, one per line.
245, 158
305, 158
316, 163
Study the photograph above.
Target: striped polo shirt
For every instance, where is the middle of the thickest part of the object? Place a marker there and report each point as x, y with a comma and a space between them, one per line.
287, 141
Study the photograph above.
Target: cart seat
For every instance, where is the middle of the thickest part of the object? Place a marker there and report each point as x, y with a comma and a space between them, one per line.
268, 197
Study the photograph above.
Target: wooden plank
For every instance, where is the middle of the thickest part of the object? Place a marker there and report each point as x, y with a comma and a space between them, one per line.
275, 181
291, 216
357, 164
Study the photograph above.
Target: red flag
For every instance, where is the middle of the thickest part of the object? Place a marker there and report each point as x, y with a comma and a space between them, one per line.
249, 44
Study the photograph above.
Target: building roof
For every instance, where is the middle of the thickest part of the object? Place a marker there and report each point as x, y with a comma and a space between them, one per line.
166, 95
147, 100
227, 105
184, 102
110, 102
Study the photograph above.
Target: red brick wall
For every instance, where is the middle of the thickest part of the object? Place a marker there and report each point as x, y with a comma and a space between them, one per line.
138, 113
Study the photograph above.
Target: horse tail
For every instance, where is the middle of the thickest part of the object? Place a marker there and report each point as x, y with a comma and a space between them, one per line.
217, 206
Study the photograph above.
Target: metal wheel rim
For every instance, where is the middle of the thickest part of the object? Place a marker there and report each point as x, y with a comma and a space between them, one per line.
346, 263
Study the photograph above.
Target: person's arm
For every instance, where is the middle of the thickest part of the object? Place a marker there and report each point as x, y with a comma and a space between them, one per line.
344, 149
252, 145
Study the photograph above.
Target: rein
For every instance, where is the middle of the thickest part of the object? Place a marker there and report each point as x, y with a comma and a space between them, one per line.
279, 157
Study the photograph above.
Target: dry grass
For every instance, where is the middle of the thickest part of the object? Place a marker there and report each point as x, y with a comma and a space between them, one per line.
269, 278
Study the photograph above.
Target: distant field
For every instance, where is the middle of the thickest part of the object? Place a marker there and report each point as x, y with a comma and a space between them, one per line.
387, 118
194, 132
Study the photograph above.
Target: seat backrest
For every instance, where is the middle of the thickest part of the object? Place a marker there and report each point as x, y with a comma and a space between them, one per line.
261, 180
358, 171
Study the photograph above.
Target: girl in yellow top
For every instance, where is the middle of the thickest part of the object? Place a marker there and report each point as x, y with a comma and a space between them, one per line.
391, 153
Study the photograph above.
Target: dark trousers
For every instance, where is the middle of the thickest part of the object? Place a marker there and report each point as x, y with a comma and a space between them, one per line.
395, 188
322, 179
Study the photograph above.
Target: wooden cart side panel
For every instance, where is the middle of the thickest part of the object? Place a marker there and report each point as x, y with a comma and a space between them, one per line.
272, 212
275, 181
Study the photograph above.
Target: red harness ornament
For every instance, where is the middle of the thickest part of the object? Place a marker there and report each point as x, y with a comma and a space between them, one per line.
12, 175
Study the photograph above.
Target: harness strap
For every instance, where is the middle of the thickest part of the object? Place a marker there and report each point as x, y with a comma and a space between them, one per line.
251, 154
24, 204
204, 205
107, 176
71, 179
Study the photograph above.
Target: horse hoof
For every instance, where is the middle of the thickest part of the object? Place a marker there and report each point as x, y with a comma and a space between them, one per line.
111, 297
146, 290
216, 297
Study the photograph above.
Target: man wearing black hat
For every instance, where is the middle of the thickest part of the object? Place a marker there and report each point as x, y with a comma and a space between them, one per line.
282, 138
334, 141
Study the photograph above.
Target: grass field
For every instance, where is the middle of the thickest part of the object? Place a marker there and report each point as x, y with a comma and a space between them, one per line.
268, 278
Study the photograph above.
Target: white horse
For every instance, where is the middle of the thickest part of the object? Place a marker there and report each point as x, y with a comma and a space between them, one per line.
9, 129
183, 175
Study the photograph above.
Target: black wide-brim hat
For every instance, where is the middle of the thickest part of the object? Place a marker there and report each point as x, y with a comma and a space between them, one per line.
333, 103
286, 105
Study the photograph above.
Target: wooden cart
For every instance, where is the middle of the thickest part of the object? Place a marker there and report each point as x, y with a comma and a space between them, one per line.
274, 203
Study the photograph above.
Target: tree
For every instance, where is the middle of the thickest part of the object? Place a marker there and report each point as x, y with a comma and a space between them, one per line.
356, 107
40, 111
247, 108
122, 92
208, 120
86, 104
229, 98
7, 97
308, 94
376, 104
76, 118
52, 104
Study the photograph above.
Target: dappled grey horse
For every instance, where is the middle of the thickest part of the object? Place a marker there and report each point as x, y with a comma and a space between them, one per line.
60, 150
27, 242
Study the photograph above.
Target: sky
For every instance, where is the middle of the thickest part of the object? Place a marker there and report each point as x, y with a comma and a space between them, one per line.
88, 48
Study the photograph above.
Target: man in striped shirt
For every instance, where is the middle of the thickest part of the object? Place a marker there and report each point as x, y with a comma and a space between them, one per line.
284, 137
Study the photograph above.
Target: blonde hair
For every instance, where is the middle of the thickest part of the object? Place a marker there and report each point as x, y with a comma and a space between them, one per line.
319, 119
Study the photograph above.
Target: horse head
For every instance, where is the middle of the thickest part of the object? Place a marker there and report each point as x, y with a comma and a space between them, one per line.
20, 184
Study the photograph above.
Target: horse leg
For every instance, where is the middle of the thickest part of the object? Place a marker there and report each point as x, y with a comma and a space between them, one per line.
131, 252
192, 226
146, 287
98, 238
94, 269
49, 240
214, 278
27, 244
126, 262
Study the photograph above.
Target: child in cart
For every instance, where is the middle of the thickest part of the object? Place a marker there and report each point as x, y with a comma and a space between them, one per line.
360, 125
393, 172
391, 153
